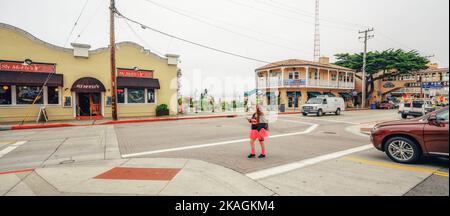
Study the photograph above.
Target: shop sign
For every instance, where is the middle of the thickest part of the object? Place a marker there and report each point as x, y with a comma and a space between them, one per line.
86, 87
20, 67
430, 85
135, 73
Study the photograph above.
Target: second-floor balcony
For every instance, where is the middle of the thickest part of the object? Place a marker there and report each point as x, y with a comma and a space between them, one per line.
303, 83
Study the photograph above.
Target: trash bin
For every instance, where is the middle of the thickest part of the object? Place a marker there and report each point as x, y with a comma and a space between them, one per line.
282, 108
373, 106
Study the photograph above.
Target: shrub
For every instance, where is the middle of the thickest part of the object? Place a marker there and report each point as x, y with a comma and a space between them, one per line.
162, 108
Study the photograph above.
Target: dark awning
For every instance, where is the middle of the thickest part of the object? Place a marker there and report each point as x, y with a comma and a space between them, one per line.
329, 94
30, 78
314, 94
88, 85
131, 82
346, 95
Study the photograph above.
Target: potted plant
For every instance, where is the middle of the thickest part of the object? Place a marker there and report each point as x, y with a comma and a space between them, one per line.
162, 110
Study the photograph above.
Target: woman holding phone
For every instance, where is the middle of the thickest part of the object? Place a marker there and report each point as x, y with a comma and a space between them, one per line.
259, 131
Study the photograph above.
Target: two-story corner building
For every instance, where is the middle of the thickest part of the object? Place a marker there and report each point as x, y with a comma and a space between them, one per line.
78, 80
293, 82
428, 83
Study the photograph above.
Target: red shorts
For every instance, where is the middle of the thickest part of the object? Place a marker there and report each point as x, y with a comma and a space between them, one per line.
259, 135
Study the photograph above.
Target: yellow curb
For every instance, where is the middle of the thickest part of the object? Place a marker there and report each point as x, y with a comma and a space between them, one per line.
7, 142
397, 166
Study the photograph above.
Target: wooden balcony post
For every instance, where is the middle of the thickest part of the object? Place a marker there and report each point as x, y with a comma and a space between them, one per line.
307, 76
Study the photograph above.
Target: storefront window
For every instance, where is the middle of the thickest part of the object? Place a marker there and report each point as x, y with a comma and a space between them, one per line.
5, 95
53, 95
136, 95
121, 95
151, 98
28, 94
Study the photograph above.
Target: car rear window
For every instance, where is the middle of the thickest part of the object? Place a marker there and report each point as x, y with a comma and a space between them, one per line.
417, 104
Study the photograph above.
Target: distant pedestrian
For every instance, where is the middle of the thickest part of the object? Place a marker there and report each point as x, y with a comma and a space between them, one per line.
259, 131
355, 98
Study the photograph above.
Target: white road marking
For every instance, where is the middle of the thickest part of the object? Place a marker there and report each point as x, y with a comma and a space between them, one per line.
11, 148
326, 120
300, 164
309, 130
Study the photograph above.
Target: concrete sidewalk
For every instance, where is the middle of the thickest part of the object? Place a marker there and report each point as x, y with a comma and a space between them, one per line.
108, 121
146, 177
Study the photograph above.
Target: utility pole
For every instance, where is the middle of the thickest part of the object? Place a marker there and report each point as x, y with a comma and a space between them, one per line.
366, 37
112, 47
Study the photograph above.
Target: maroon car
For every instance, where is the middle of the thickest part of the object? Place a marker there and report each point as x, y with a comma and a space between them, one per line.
407, 140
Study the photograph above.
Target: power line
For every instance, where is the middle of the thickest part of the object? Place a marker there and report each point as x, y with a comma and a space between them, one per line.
140, 38
245, 28
287, 17
90, 20
76, 22
221, 28
190, 42
296, 10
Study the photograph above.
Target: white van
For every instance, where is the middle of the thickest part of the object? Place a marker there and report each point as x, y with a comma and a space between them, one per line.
322, 105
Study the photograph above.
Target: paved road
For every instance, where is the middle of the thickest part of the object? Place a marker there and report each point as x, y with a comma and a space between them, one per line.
306, 155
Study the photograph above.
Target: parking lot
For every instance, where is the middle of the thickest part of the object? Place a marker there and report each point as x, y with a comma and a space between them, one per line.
306, 155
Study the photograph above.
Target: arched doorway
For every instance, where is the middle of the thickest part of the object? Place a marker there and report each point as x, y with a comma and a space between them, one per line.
88, 98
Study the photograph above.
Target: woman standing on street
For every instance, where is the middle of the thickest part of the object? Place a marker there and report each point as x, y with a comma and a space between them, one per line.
259, 131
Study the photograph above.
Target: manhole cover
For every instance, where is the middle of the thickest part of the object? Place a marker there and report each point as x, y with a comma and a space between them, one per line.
333, 133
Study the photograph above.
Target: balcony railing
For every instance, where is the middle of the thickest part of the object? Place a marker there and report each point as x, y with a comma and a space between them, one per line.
295, 83
302, 83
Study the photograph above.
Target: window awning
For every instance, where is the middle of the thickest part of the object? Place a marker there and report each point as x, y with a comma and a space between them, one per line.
314, 94
88, 85
30, 78
346, 95
131, 82
329, 94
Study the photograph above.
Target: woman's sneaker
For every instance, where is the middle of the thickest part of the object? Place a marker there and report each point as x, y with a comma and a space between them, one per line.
251, 156
262, 156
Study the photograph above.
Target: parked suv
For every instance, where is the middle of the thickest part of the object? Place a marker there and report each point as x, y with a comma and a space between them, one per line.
322, 105
406, 141
416, 108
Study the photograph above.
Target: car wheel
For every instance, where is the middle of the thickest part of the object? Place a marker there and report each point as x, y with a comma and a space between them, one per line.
338, 112
404, 116
402, 150
319, 113
305, 114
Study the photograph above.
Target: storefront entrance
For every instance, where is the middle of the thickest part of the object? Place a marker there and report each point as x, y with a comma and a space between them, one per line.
89, 105
88, 94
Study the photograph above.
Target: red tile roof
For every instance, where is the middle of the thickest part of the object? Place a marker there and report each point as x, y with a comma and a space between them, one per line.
298, 62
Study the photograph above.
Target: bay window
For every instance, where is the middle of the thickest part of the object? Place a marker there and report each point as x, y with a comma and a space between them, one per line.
151, 98
28, 94
121, 95
136, 96
53, 95
5, 95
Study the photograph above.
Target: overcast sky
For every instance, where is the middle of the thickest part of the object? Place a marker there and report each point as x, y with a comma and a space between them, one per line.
268, 30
